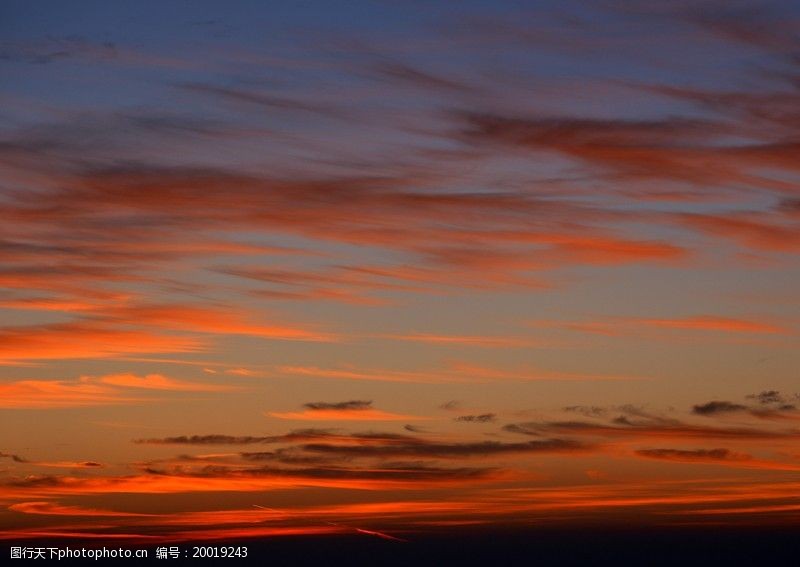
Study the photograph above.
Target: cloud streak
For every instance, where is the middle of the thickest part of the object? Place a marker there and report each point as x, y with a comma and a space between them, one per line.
352, 410
92, 391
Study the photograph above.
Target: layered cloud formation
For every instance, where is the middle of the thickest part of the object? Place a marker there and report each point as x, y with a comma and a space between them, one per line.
248, 267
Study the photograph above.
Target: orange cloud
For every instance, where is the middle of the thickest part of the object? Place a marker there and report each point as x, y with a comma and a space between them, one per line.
243, 372
375, 479
653, 501
68, 464
49, 304
767, 233
70, 278
712, 323
91, 391
159, 382
85, 340
597, 249
43, 394
47, 508
208, 320
715, 457
141, 253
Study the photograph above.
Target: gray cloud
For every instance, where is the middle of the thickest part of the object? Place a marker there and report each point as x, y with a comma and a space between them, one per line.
481, 418
716, 407
340, 406
448, 450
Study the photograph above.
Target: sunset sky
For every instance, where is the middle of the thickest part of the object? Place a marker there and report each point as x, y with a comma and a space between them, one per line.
387, 268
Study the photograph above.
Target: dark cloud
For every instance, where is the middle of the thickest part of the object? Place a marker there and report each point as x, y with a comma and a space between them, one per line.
624, 427
287, 456
481, 418
350, 405
393, 472
15, 458
771, 405
636, 415
35, 481
695, 454
339, 453
296, 435
447, 450
639, 422
768, 397
587, 411
387, 438
716, 407
629, 414
208, 440
58, 464
523, 429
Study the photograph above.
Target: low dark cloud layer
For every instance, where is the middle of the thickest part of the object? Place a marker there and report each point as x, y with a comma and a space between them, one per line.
676, 431
351, 405
716, 407
217, 439
693, 454
771, 404
448, 450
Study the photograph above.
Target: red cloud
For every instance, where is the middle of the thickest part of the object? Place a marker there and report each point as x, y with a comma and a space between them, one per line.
159, 382
85, 339
92, 391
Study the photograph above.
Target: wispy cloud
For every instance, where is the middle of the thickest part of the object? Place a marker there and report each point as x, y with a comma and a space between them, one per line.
626, 326
93, 391
455, 372
354, 410
47, 508
44, 394
159, 382
86, 340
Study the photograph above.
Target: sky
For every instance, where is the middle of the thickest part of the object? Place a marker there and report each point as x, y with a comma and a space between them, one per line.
389, 268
